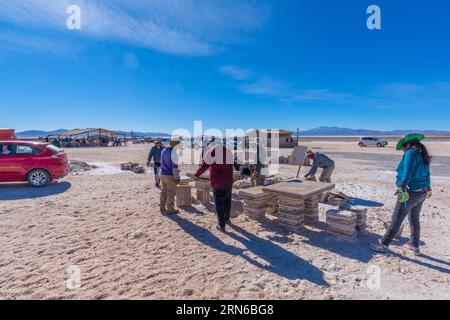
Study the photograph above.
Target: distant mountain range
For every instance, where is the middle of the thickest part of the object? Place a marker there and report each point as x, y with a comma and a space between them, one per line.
40, 133
320, 131
334, 131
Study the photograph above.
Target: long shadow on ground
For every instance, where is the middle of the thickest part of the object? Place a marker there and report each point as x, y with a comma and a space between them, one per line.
357, 249
24, 191
280, 261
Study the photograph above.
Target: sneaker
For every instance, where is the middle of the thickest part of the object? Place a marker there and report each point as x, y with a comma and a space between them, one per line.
378, 247
412, 248
162, 210
220, 228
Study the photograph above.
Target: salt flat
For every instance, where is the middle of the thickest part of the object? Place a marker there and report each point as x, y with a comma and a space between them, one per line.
107, 224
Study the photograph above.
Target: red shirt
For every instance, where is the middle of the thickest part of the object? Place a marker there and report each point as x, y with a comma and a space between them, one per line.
220, 168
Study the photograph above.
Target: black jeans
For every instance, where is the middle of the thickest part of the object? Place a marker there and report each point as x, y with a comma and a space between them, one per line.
412, 210
222, 199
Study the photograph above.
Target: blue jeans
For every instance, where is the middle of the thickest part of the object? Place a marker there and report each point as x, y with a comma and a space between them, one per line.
412, 210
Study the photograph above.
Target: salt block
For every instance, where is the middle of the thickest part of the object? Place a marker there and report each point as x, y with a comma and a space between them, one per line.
183, 196
203, 196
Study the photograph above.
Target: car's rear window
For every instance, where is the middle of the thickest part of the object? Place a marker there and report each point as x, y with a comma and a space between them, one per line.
24, 149
54, 148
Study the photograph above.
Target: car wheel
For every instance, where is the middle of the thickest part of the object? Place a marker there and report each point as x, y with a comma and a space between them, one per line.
38, 178
361, 144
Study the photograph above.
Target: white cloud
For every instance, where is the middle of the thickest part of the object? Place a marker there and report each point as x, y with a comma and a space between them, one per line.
181, 27
391, 95
20, 42
235, 72
268, 87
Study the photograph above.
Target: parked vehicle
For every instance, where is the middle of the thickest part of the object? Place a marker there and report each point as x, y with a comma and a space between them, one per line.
372, 141
37, 163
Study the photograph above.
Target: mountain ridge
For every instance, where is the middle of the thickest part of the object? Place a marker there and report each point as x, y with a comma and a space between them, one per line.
319, 131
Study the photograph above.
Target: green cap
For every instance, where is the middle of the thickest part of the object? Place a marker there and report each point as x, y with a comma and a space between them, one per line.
409, 138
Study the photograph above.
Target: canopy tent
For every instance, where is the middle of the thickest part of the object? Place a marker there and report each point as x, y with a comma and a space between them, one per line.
77, 132
101, 137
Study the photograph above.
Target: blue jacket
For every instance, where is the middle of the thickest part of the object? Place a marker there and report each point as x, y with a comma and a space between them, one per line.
155, 154
169, 165
413, 172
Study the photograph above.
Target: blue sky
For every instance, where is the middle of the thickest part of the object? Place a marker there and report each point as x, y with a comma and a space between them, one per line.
160, 65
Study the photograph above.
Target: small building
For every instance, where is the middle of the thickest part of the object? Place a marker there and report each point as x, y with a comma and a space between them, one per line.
7, 134
285, 139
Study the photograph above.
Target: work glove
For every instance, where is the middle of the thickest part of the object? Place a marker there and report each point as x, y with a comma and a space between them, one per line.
403, 195
429, 194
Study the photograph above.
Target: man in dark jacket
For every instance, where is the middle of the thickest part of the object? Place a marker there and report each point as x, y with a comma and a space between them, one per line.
155, 156
219, 160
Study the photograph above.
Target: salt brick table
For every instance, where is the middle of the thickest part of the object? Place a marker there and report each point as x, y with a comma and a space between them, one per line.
298, 201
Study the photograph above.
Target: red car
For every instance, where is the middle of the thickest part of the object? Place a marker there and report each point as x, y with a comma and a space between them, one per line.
37, 163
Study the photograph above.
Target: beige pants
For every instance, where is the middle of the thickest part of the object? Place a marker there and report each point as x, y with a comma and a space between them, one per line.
168, 190
325, 176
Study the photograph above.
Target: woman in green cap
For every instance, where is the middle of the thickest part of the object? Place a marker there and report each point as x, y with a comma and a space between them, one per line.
414, 187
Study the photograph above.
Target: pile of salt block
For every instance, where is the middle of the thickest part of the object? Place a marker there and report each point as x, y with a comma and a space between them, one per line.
132, 166
255, 201
203, 188
341, 223
346, 222
361, 216
291, 212
272, 204
312, 209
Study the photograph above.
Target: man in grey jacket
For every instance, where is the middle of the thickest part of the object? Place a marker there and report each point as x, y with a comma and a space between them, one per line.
320, 161
155, 156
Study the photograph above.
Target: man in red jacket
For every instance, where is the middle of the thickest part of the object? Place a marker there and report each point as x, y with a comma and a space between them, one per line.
219, 160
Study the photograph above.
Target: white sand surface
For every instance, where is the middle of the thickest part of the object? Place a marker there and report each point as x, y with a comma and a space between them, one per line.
107, 225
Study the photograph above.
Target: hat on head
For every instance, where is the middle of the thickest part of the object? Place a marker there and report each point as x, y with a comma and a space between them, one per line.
408, 138
174, 141
309, 152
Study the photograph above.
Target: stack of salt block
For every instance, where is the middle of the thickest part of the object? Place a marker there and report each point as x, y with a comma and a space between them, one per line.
128, 166
183, 193
361, 216
312, 209
291, 212
272, 204
341, 223
255, 201
361, 219
203, 188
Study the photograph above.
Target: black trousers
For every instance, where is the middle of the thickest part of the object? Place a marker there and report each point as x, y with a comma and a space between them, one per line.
222, 199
